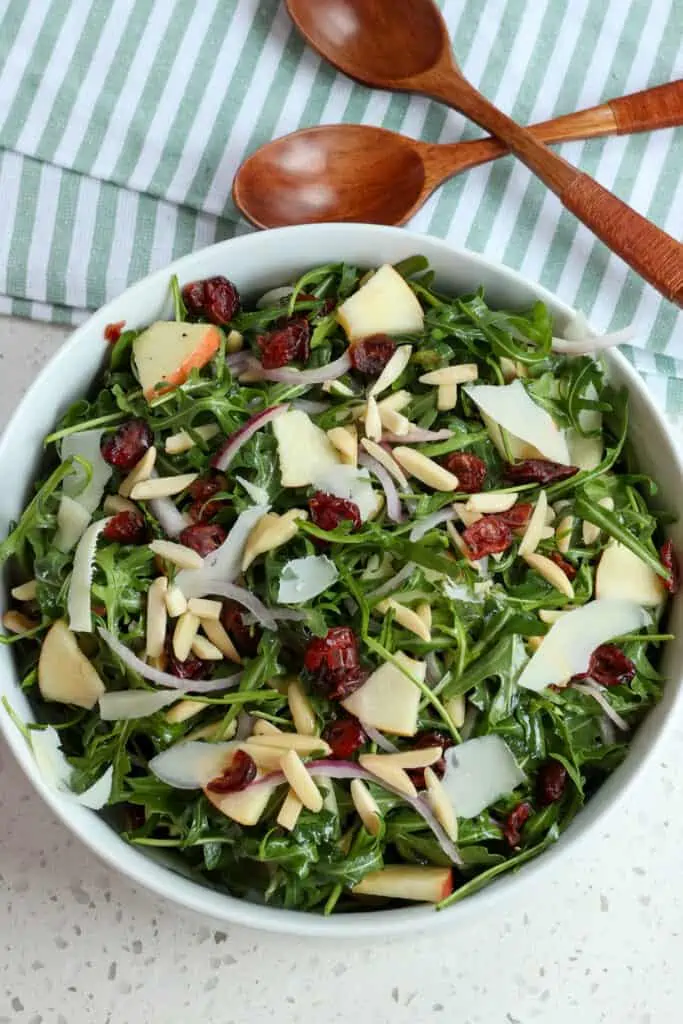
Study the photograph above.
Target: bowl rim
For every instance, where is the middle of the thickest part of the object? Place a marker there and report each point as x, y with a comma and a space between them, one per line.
217, 905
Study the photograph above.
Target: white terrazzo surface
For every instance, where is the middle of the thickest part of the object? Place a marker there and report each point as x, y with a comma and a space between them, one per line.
79, 944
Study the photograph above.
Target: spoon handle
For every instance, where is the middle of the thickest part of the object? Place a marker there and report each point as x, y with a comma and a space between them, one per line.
651, 252
645, 111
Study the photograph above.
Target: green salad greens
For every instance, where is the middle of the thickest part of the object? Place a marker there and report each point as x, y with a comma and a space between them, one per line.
346, 597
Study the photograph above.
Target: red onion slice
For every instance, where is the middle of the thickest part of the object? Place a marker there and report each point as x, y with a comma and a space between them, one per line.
394, 583
418, 436
155, 675
394, 510
232, 445
287, 375
206, 585
593, 690
310, 407
350, 770
169, 516
380, 739
423, 526
587, 345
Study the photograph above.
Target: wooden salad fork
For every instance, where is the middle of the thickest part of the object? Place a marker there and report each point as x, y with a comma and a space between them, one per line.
404, 45
349, 172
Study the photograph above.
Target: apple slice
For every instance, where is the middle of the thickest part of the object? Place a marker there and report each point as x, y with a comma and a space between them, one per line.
623, 575
64, 673
385, 304
305, 451
167, 352
388, 700
407, 882
246, 806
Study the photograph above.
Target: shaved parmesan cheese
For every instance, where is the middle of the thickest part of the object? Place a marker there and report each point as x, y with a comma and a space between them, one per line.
259, 495
78, 603
123, 705
568, 645
72, 522
225, 562
512, 408
461, 592
586, 452
621, 574
388, 700
275, 296
349, 483
479, 772
302, 579
190, 765
303, 448
86, 446
57, 772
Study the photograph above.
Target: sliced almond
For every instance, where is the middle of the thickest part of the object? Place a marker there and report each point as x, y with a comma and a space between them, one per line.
466, 515
426, 470
114, 503
290, 811
508, 369
183, 635
204, 649
366, 806
405, 617
551, 573
421, 757
250, 377
301, 782
385, 459
162, 486
534, 642
183, 442
459, 543
390, 773
424, 612
183, 710
336, 387
393, 369
395, 403
589, 531
294, 741
140, 471
345, 440
262, 727
176, 602
25, 591
465, 373
535, 526
234, 342
270, 532
301, 708
441, 805
373, 423
17, 622
177, 554
220, 639
491, 501
563, 534
156, 617
456, 707
551, 615
395, 422
204, 608
446, 397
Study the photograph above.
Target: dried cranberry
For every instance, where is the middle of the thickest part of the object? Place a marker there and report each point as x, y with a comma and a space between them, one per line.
112, 332
286, 344
203, 537
609, 666
345, 736
126, 528
488, 536
516, 517
430, 738
203, 488
372, 354
334, 663
133, 816
245, 638
328, 512
191, 668
214, 298
513, 824
670, 562
126, 446
538, 471
567, 568
551, 782
469, 469
235, 776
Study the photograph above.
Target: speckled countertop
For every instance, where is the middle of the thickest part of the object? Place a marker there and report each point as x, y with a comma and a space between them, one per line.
80, 944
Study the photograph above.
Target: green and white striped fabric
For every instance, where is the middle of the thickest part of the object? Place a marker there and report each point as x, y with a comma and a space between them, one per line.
122, 123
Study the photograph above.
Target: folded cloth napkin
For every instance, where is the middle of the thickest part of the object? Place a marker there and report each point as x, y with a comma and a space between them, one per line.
122, 123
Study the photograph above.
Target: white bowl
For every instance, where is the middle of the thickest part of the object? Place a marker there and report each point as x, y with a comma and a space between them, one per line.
257, 262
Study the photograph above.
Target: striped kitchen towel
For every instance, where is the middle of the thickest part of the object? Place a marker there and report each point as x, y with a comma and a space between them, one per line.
122, 123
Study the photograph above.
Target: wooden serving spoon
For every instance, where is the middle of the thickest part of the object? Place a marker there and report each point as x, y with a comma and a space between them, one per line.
355, 172
404, 45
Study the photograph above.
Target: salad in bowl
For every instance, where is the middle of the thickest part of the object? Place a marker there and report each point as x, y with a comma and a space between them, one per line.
348, 597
